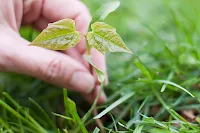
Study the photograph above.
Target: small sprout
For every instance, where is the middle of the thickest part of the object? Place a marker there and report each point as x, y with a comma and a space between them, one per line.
62, 35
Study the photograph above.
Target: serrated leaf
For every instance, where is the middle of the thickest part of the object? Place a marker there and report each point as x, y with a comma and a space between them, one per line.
104, 10
99, 73
104, 38
59, 35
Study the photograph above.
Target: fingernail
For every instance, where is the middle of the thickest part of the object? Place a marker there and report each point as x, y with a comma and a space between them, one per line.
82, 82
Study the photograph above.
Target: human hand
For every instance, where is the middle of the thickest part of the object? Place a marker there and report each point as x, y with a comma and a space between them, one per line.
65, 69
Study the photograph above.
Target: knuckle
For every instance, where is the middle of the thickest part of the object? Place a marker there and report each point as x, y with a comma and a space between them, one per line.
53, 69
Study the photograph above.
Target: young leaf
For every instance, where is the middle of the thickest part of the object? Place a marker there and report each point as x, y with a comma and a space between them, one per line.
70, 107
99, 73
138, 129
59, 35
103, 11
104, 38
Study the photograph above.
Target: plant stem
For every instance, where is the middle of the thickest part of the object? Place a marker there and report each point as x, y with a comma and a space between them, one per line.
86, 116
88, 49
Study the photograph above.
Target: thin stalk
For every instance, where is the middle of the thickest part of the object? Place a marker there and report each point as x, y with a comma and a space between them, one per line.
86, 116
88, 49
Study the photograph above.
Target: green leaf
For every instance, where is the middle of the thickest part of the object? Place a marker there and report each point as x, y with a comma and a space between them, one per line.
71, 111
104, 10
198, 119
143, 69
170, 76
113, 105
138, 129
59, 35
96, 130
99, 73
104, 38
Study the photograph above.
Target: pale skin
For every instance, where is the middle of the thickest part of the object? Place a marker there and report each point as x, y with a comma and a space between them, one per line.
65, 69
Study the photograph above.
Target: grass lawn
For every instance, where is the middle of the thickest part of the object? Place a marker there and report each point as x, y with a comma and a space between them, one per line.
155, 90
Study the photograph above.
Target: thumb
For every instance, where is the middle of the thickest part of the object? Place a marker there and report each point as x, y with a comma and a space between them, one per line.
51, 66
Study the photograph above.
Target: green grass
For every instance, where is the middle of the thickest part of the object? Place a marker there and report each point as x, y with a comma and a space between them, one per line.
148, 91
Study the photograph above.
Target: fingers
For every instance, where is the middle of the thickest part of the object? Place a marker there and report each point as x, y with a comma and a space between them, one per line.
32, 10
51, 66
75, 54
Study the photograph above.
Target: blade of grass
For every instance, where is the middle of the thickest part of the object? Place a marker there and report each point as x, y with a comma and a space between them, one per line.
104, 11
6, 95
174, 84
143, 69
96, 130
5, 125
29, 117
138, 129
122, 114
86, 116
115, 104
119, 123
24, 127
22, 118
182, 119
114, 123
170, 76
64, 117
43, 113
143, 103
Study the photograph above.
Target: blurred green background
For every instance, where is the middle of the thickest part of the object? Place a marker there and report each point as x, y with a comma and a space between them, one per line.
162, 34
